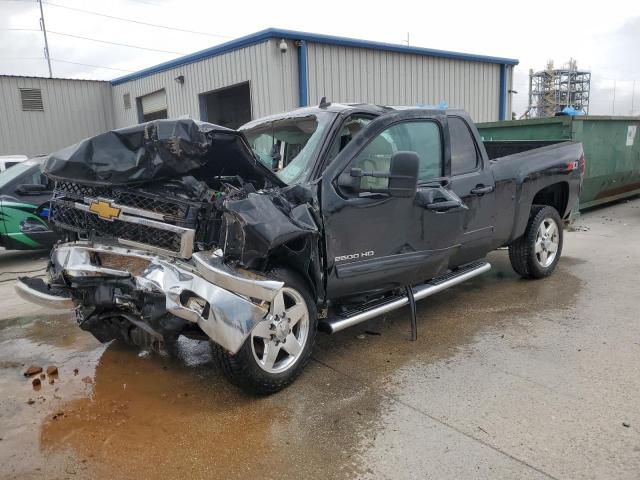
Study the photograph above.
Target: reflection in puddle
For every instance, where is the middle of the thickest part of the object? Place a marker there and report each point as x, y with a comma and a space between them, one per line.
158, 417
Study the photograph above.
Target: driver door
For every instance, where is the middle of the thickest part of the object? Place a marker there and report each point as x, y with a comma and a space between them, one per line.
375, 241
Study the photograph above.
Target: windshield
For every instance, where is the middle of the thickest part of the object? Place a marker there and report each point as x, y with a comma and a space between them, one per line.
14, 172
288, 146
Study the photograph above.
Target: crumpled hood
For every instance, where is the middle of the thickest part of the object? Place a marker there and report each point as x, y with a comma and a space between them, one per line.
160, 150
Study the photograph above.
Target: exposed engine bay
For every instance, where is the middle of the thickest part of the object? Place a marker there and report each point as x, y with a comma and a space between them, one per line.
174, 187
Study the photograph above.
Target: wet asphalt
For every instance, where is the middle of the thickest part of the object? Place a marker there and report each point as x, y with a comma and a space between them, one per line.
508, 379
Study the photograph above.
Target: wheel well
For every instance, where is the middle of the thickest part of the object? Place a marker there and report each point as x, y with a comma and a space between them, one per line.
556, 196
300, 256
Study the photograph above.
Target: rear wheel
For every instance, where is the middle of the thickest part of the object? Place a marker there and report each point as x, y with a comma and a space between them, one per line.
279, 347
536, 253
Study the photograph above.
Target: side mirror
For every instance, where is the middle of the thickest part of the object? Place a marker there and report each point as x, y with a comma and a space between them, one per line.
402, 175
30, 189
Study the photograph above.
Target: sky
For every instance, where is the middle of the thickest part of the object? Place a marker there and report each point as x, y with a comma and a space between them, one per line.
603, 37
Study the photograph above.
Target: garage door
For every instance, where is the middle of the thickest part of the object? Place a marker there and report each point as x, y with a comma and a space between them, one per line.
154, 105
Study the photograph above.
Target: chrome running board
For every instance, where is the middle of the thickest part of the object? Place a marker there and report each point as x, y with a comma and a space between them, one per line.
423, 290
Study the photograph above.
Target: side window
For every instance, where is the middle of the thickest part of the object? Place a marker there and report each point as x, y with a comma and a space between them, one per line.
349, 129
422, 137
35, 178
464, 155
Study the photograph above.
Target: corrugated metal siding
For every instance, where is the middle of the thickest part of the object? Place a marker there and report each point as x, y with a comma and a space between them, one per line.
78, 109
346, 74
272, 77
73, 110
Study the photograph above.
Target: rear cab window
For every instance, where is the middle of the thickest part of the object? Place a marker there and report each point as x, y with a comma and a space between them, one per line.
465, 157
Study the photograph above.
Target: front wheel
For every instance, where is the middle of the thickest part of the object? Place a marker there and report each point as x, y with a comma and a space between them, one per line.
279, 347
536, 253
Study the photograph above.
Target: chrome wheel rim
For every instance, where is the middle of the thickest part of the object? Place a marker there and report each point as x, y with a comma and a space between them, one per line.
547, 242
278, 341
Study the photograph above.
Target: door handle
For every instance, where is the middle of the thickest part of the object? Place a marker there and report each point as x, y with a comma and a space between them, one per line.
444, 206
481, 190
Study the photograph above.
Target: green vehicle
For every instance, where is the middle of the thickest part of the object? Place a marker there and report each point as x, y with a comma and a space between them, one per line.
24, 204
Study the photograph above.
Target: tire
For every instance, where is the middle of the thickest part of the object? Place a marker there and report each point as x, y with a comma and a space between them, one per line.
254, 368
537, 252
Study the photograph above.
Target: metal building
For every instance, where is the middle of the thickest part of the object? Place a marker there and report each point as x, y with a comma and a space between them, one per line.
40, 115
277, 70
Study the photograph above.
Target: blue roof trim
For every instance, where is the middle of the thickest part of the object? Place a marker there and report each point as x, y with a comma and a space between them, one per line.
277, 33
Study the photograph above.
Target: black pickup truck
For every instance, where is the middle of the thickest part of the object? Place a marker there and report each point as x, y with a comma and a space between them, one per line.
316, 219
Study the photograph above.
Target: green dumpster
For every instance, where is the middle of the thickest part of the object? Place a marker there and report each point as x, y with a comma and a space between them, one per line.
611, 149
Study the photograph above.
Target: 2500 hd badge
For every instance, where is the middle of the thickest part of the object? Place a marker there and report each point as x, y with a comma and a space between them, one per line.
355, 256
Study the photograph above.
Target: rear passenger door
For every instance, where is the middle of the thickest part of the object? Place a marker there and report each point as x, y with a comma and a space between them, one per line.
473, 182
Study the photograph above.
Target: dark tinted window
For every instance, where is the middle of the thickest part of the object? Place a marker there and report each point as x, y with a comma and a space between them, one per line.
464, 156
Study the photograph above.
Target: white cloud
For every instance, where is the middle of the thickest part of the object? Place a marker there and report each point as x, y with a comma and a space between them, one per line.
602, 38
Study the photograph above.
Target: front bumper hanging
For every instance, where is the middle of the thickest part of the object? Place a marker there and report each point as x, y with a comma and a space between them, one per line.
228, 302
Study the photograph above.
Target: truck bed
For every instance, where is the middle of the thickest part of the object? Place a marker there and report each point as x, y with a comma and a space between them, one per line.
502, 148
527, 167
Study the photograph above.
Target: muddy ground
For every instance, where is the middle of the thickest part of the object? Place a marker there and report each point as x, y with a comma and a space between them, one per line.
508, 379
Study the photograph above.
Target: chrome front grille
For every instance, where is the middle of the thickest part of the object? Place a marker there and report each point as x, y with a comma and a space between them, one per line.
124, 196
143, 220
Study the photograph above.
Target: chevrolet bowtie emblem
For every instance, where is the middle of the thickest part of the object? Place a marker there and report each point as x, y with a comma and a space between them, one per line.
104, 209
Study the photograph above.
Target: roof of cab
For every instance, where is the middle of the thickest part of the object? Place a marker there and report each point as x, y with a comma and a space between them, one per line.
312, 110
349, 107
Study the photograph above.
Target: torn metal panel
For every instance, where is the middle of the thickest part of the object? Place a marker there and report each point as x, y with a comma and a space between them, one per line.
160, 150
255, 226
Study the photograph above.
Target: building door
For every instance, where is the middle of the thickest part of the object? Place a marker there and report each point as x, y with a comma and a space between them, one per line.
229, 107
153, 106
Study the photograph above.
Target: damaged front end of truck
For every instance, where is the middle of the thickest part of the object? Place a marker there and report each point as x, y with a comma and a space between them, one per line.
172, 229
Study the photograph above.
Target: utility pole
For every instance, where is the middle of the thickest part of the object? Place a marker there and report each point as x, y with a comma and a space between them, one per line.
46, 42
633, 97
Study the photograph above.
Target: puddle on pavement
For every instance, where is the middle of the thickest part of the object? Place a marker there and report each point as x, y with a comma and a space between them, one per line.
124, 415
38, 340
450, 322
161, 417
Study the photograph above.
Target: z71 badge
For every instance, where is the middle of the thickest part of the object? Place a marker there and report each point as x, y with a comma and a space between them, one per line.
355, 256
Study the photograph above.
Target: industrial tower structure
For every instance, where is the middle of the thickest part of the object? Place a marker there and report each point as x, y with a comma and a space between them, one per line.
553, 89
